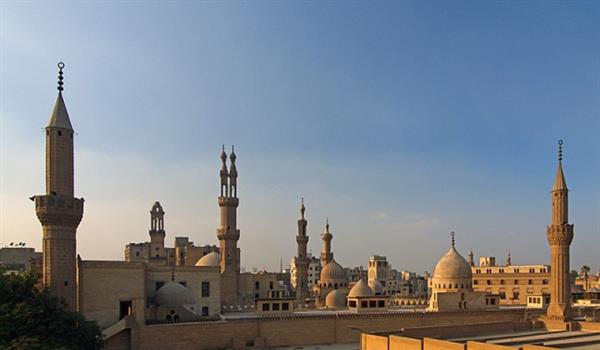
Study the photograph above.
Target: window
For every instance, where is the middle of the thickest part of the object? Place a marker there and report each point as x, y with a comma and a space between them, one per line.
59, 133
545, 282
501, 281
502, 295
492, 301
381, 303
476, 282
256, 296
265, 307
275, 306
205, 289
156, 248
205, 311
270, 284
488, 282
372, 303
137, 253
285, 306
352, 303
257, 285
516, 281
364, 303
515, 295
124, 308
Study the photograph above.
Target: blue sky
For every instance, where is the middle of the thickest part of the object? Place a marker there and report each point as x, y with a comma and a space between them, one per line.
400, 121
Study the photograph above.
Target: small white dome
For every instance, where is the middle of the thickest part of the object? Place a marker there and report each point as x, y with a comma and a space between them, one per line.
335, 299
174, 294
211, 259
332, 271
360, 289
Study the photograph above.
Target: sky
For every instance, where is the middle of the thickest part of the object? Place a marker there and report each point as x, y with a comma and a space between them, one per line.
398, 121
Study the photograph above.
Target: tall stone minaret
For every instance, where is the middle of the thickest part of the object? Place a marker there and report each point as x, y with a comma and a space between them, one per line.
326, 254
560, 236
302, 258
227, 233
470, 259
157, 232
58, 210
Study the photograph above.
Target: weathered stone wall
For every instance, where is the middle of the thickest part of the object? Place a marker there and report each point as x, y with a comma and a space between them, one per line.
302, 330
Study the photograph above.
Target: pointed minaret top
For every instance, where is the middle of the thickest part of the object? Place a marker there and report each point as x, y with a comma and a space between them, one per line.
60, 117
302, 208
326, 225
559, 181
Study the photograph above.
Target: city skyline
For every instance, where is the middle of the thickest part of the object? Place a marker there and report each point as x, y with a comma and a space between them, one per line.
398, 162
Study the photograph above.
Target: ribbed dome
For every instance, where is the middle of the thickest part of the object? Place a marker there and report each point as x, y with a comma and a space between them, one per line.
335, 298
361, 289
174, 294
210, 259
452, 266
376, 287
332, 271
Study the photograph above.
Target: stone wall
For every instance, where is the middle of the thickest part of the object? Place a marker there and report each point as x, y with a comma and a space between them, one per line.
302, 330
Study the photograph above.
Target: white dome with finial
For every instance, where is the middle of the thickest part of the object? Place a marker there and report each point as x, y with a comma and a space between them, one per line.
452, 271
174, 294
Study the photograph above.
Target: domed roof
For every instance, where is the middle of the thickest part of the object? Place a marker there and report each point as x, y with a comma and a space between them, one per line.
376, 287
335, 298
175, 294
452, 266
210, 259
332, 271
361, 289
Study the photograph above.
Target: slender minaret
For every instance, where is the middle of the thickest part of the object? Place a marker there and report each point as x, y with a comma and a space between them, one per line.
560, 236
157, 232
302, 258
227, 233
58, 210
471, 261
326, 254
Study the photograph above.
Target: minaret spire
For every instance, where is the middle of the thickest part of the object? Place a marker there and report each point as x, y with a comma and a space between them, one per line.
58, 210
560, 236
326, 236
301, 259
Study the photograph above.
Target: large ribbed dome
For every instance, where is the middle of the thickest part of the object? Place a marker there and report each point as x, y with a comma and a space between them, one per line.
452, 266
174, 294
332, 271
335, 299
361, 289
211, 259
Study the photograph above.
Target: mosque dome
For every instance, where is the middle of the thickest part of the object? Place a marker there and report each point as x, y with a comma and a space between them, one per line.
335, 299
453, 266
210, 260
332, 271
173, 293
361, 289
376, 287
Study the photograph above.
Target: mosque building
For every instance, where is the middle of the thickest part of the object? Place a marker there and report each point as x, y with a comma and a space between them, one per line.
133, 299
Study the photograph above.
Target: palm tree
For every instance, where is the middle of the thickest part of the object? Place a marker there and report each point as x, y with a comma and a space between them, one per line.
585, 270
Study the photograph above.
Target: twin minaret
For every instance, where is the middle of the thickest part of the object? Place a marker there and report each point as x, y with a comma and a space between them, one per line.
228, 233
58, 210
560, 236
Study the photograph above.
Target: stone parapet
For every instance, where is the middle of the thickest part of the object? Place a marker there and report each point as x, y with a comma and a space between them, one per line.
59, 210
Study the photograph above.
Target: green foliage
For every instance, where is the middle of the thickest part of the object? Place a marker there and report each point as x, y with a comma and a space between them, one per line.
32, 319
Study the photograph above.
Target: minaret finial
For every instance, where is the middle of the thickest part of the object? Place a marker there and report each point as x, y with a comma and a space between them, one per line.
302, 208
327, 225
560, 151
60, 65
452, 234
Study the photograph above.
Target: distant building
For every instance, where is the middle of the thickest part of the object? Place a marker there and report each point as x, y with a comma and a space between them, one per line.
19, 259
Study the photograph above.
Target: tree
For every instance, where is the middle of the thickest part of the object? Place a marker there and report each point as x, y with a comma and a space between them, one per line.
32, 319
585, 271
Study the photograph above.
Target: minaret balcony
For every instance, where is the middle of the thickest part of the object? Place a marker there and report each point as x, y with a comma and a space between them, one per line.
58, 210
560, 235
229, 202
228, 234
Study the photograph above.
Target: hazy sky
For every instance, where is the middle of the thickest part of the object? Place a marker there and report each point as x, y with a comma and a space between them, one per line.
399, 121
